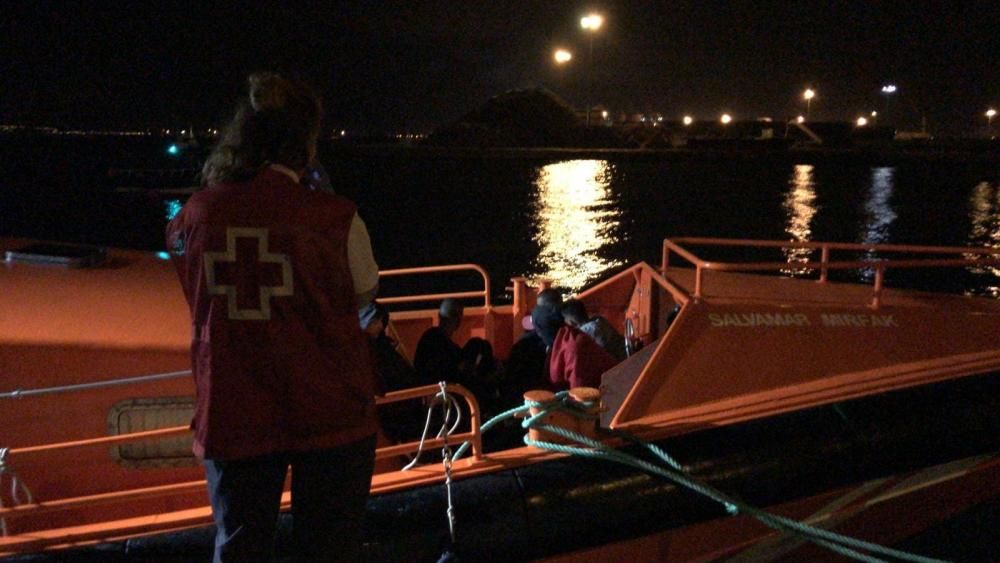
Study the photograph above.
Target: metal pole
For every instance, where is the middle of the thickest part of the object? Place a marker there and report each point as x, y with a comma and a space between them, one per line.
590, 77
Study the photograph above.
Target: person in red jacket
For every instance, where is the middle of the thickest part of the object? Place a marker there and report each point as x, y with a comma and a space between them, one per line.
274, 273
577, 360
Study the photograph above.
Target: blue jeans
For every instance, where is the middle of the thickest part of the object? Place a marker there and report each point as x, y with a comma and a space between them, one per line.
329, 494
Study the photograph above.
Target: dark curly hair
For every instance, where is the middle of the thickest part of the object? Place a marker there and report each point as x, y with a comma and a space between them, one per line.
278, 123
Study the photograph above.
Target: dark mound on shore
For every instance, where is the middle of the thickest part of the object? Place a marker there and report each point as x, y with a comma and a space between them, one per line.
533, 117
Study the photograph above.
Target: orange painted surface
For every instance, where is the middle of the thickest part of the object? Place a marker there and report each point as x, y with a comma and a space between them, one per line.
752, 346
759, 345
134, 303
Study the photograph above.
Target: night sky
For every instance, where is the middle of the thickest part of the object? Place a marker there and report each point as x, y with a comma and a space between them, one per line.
411, 66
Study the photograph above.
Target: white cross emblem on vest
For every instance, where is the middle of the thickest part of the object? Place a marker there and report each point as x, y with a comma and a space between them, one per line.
248, 276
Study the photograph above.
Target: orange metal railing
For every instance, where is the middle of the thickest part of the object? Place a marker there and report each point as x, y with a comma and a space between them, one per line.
473, 435
971, 257
483, 293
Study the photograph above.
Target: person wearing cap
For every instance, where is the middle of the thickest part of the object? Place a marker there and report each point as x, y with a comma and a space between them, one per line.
546, 297
438, 356
527, 363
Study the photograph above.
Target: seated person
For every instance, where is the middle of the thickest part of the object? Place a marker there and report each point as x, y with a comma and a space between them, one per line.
527, 365
437, 356
576, 360
401, 421
574, 312
547, 297
478, 372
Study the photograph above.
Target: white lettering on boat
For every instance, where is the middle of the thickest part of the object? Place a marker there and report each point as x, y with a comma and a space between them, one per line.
858, 320
758, 319
752, 320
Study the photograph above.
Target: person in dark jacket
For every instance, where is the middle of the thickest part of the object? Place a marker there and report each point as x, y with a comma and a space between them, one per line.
527, 365
274, 274
403, 420
437, 356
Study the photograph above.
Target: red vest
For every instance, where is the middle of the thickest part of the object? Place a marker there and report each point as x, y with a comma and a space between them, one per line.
279, 360
577, 360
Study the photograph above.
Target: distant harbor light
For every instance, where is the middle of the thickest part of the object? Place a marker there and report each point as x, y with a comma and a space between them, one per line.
726, 118
591, 22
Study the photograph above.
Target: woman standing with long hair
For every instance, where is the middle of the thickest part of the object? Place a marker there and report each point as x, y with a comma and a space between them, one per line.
274, 274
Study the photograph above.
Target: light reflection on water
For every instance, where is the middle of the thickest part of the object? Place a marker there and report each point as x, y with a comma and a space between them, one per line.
800, 208
984, 229
878, 215
575, 215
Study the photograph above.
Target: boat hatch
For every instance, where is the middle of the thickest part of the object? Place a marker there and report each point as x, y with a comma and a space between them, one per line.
68, 255
140, 415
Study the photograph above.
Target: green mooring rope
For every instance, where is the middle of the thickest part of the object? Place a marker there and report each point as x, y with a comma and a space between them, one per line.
839, 543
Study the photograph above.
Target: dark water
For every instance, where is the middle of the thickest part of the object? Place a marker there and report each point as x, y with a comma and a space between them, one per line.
572, 220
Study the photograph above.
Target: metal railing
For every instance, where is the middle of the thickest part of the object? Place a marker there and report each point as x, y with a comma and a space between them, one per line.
972, 257
421, 298
473, 436
77, 387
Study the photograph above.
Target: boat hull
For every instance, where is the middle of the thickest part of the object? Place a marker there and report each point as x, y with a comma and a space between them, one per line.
881, 468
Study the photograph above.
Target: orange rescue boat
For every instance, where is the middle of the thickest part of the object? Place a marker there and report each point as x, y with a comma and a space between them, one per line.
845, 405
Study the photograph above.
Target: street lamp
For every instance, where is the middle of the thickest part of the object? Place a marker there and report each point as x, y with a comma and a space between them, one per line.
562, 56
808, 95
726, 119
888, 90
688, 120
862, 121
591, 23
990, 114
